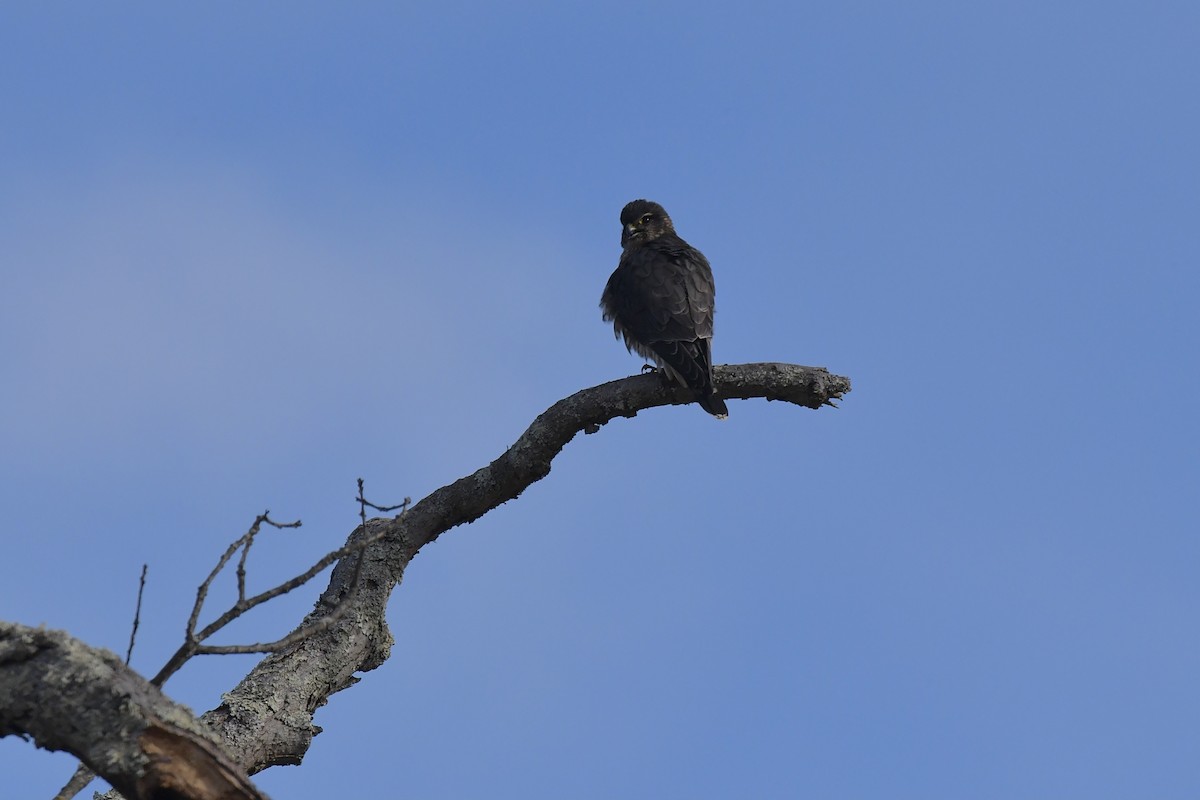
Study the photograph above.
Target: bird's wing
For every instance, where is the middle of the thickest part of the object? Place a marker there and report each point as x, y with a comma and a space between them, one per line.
661, 293
687, 362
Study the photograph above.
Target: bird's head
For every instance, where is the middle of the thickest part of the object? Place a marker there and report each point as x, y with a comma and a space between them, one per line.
642, 221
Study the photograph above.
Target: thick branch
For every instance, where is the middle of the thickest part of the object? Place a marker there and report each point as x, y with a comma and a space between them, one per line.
68, 696
528, 460
267, 718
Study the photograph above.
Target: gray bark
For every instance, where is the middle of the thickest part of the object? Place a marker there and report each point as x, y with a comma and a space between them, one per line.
68, 696
267, 719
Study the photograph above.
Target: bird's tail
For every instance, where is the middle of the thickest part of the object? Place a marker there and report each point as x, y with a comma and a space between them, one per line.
690, 364
713, 405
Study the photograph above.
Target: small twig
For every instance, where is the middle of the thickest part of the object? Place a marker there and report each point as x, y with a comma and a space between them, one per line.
79, 781
245, 540
241, 567
364, 502
190, 639
137, 614
304, 631
286, 586
83, 775
194, 641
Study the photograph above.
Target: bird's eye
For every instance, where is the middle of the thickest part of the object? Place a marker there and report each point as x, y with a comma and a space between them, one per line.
646, 218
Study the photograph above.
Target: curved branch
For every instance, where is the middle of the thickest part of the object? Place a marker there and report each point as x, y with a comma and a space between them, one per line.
267, 719
528, 460
68, 696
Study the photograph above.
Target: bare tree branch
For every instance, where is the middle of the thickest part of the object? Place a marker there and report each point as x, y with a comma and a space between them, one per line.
61, 693
192, 642
268, 718
78, 782
319, 625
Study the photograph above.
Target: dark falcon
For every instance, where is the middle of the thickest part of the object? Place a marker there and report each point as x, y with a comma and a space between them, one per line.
661, 299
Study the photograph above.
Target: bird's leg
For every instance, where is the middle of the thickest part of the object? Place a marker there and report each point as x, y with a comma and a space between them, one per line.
665, 376
662, 373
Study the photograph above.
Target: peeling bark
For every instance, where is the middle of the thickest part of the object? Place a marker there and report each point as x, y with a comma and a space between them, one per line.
68, 696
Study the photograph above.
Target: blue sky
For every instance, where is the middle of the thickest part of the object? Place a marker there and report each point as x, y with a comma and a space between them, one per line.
250, 255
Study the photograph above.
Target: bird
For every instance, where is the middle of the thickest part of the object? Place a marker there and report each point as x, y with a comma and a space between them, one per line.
661, 299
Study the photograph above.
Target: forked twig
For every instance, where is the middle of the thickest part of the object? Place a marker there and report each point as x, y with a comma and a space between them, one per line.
194, 642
